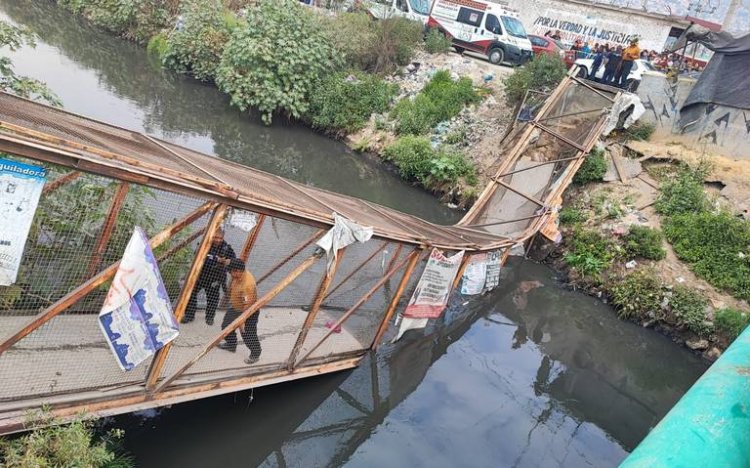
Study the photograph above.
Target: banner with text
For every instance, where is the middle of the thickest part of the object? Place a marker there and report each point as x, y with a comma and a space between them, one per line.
20, 188
434, 287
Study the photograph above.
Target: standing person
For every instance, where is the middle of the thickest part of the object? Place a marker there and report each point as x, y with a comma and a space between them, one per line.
212, 278
557, 36
629, 55
613, 64
586, 49
599, 53
242, 295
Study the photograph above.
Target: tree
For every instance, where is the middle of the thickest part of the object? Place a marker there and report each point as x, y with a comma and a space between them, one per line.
14, 38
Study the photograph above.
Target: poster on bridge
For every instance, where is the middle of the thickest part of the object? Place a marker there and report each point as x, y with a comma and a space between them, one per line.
137, 317
20, 188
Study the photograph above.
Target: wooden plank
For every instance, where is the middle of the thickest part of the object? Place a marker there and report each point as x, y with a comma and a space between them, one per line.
107, 228
393, 305
81, 291
268, 297
154, 371
252, 237
351, 311
60, 181
320, 295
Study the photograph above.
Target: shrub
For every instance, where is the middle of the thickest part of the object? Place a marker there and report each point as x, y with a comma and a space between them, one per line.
14, 38
543, 73
343, 102
273, 61
70, 445
645, 242
440, 100
435, 42
689, 307
684, 194
731, 322
640, 131
158, 45
590, 252
593, 168
417, 160
570, 215
716, 247
197, 45
637, 295
371, 45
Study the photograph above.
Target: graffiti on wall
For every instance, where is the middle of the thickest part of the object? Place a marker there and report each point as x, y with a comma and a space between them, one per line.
572, 30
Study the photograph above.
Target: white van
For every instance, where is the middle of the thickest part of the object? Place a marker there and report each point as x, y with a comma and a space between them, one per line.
415, 10
479, 26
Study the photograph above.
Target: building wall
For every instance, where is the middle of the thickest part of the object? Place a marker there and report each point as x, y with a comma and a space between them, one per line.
722, 130
591, 23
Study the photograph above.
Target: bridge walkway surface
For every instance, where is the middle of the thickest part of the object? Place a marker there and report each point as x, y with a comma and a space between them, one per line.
313, 319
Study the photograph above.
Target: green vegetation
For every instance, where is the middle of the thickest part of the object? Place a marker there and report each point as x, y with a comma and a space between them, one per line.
590, 252
645, 242
457, 136
731, 322
196, 47
138, 20
543, 74
417, 160
639, 131
435, 42
343, 101
440, 100
70, 445
572, 215
158, 45
637, 295
273, 62
14, 38
683, 194
371, 45
689, 308
593, 168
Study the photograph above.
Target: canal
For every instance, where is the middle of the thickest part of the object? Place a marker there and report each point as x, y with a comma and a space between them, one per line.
530, 375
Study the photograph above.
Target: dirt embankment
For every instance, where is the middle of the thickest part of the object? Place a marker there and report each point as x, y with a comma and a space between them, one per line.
481, 127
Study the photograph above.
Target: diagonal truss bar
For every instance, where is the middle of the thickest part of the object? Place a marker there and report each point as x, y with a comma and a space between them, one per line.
351, 310
586, 85
105, 275
413, 258
525, 218
160, 358
516, 171
252, 238
524, 195
246, 314
359, 267
108, 227
315, 236
562, 138
60, 181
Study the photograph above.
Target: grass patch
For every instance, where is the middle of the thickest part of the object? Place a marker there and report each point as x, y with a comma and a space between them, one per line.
637, 295
343, 102
440, 100
593, 168
689, 307
590, 252
435, 42
572, 215
683, 194
639, 131
417, 160
731, 322
645, 242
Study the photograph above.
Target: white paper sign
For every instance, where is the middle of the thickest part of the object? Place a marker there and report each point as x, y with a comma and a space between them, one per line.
20, 188
475, 275
493, 269
137, 316
431, 296
244, 220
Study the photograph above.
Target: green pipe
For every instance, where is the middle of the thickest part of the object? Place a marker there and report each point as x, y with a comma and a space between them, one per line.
710, 425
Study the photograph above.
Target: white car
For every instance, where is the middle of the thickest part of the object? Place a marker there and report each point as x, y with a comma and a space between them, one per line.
640, 68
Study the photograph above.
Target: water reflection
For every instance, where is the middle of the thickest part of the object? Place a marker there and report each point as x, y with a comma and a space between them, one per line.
103, 77
560, 382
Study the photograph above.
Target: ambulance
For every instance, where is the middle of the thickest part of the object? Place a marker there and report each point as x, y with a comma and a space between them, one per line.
492, 29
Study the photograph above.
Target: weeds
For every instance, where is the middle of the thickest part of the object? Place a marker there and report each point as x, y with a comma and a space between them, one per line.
731, 322
570, 215
639, 131
543, 73
435, 42
590, 252
593, 168
689, 307
417, 160
637, 295
644, 242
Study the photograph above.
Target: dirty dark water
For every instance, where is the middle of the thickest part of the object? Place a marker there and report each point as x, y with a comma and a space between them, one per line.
530, 375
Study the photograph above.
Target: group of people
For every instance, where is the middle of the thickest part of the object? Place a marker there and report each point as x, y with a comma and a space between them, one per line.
617, 63
241, 293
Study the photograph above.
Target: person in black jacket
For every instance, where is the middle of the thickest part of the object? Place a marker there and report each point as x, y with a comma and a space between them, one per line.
212, 278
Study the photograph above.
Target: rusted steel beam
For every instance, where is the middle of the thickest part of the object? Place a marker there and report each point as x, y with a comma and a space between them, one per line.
413, 259
315, 236
252, 237
246, 314
584, 84
525, 218
351, 311
516, 171
396, 254
160, 357
105, 275
60, 181
526, 196
320, 295
107, 228
571, 114
184, 243
560, 137
415, 233
182, 158
359, 267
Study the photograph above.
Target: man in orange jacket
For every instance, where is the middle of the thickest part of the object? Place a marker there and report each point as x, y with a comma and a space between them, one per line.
629, 55
242, 295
